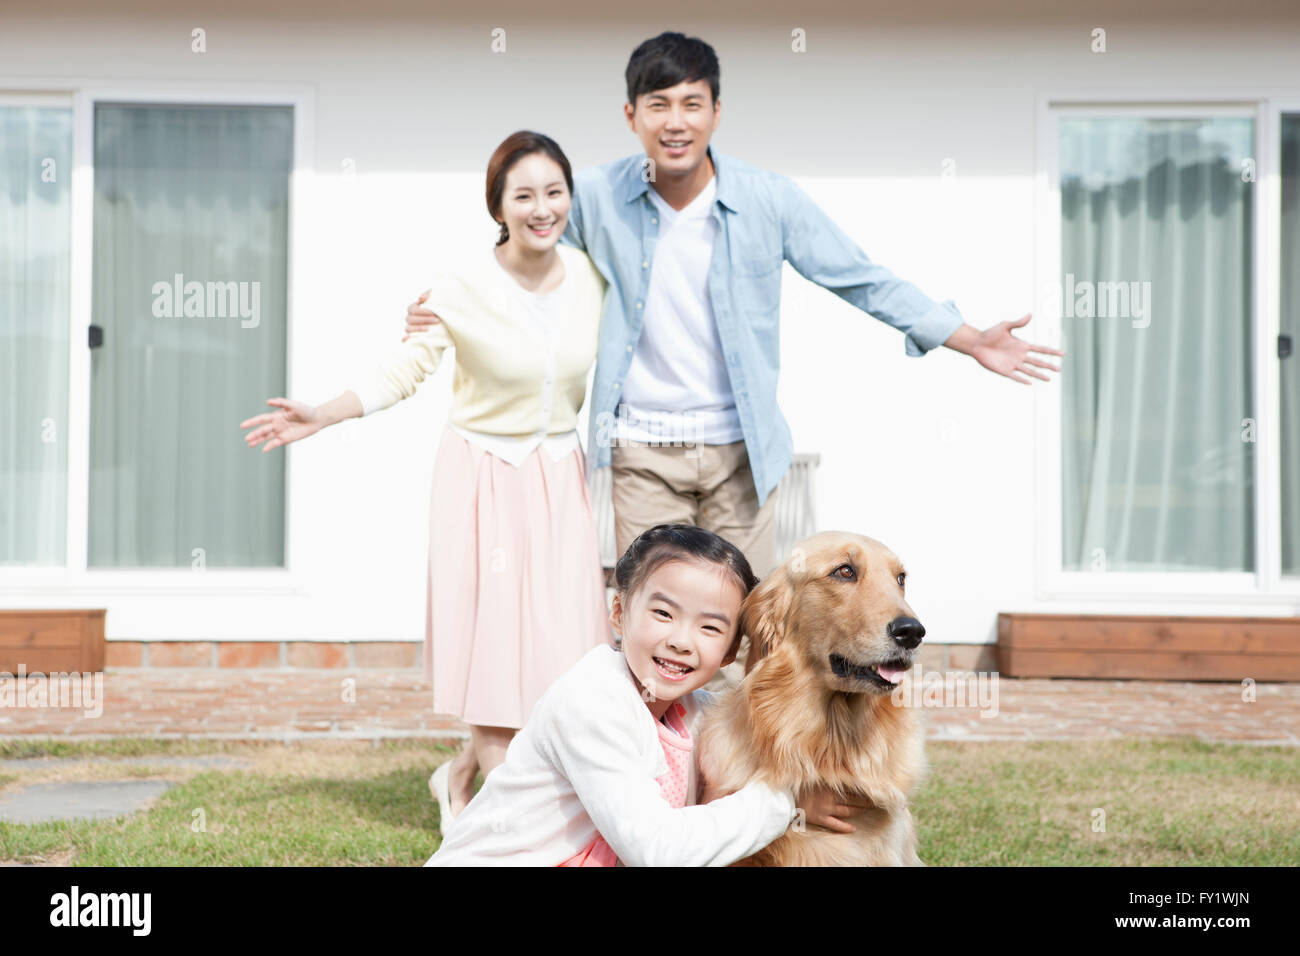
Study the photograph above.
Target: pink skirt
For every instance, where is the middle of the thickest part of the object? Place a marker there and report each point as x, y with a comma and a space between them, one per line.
516, 592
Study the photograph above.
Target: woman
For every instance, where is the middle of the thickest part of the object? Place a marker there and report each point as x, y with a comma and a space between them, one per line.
516, 592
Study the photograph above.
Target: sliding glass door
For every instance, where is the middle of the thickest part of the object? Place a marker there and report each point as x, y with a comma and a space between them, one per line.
1157, 250
189, 308
35, 259
1289, 362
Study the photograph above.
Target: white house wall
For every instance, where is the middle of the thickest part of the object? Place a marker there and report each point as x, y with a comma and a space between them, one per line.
934, 456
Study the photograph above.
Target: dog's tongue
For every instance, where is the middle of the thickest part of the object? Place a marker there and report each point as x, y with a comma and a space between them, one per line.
891, 674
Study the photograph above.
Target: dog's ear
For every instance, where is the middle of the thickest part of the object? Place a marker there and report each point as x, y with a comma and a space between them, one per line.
763, 615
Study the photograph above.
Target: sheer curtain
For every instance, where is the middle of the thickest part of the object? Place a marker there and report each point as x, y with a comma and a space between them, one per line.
1290, 367
1156, 474
200, 193
35, 243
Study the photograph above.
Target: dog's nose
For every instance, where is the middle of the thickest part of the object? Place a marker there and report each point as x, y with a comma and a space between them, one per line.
906, 631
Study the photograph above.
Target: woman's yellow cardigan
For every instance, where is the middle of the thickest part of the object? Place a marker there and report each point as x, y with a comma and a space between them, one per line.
507, 371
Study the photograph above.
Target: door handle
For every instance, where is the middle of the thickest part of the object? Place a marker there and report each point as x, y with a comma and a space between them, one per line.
96, 336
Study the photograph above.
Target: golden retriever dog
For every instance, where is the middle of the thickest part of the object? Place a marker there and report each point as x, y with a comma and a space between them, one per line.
831, 636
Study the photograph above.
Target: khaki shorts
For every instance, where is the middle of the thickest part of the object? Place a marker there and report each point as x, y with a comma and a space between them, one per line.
706, 485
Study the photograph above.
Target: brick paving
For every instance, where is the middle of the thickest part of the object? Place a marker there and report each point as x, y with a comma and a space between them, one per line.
344, 703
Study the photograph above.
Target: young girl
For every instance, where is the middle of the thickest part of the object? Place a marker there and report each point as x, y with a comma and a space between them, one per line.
602, 773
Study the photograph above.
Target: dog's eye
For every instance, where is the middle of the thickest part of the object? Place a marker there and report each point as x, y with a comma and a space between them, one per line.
901, 576
845, 572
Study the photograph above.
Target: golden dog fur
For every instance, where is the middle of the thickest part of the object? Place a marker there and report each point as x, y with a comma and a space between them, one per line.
795, 722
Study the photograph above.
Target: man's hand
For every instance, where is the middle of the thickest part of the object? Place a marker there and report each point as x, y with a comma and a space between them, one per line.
823, 808
998, 350
418, 318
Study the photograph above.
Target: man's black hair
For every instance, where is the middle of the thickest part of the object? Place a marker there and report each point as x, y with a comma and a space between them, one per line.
669, 59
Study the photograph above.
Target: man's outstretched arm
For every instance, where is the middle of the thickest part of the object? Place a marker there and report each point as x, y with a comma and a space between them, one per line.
821, 252
998, 350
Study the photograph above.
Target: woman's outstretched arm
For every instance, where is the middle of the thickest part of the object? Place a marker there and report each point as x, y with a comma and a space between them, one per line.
298, 420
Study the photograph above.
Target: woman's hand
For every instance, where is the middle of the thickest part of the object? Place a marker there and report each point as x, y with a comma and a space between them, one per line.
822, 807
295, 421
418, 318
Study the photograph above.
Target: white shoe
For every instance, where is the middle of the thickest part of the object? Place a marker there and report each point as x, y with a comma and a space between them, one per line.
439, 786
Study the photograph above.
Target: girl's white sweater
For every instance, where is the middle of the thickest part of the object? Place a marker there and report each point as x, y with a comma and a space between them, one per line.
587, 762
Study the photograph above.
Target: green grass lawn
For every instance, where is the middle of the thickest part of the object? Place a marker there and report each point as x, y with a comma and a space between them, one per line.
348, 803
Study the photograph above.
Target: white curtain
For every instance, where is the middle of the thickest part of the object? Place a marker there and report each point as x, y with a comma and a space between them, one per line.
200, 192
1156, 474
35, 242
1290, 367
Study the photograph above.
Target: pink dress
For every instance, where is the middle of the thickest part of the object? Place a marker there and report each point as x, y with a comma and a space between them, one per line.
678, 751
516, 593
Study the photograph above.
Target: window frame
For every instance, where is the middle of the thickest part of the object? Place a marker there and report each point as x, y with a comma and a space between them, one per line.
1266, 585
74, 582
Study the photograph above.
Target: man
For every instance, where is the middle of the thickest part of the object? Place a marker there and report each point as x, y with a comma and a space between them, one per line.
683, 407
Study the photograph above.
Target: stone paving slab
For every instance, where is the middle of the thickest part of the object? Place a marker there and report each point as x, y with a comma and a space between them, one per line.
89, 800
370, 704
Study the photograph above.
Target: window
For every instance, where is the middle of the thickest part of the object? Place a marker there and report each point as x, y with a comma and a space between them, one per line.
119, 449
1172, 256
1156, 262
1289, 378
35, 244
189, 294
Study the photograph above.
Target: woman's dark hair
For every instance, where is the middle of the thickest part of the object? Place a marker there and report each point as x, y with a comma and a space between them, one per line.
657, 546
669, 59
512, 149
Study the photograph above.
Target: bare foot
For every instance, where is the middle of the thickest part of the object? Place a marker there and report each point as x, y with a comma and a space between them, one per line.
460, 780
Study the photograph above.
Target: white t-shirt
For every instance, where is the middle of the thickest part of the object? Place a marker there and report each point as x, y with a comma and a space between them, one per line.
677, 388
586, 762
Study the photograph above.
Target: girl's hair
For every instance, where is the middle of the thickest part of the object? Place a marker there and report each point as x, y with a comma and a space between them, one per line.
512, 149
679, 542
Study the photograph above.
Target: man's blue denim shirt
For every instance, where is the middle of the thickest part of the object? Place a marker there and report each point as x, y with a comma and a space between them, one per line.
763, 219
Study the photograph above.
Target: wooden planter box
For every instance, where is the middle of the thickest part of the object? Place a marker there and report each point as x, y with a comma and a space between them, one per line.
52, 641
1147, 646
